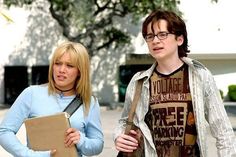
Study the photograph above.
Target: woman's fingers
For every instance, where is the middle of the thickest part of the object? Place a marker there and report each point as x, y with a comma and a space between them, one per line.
53, 152
72, 137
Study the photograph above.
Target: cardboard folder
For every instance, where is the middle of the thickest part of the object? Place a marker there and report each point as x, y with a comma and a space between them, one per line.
48, 133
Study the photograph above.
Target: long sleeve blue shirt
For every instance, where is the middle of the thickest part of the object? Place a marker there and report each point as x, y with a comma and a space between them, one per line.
35, 101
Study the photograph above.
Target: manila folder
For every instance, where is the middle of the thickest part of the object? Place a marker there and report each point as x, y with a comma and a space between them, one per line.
48, 133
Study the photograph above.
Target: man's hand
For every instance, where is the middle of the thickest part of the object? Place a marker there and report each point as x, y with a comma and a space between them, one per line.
127, 143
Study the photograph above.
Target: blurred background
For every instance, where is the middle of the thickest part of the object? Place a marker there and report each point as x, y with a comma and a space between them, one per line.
111, 30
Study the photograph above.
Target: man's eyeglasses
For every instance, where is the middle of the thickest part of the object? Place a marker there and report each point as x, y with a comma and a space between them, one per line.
160, 36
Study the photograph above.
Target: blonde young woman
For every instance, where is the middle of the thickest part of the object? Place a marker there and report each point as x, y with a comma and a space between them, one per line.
69, 75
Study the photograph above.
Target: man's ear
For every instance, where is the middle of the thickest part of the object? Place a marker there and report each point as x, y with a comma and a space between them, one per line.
180, 40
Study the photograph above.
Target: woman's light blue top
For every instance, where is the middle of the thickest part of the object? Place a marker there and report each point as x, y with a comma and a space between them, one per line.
35, 101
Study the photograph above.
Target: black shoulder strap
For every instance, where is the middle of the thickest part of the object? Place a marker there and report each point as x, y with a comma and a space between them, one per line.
73, 105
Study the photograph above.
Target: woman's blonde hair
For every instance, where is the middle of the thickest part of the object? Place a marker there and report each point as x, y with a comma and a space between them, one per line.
79, 57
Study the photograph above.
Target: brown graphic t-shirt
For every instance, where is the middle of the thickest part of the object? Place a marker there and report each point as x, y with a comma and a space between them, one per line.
170, 116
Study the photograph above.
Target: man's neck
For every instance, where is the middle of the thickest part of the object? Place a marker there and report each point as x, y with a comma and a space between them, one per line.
168, 66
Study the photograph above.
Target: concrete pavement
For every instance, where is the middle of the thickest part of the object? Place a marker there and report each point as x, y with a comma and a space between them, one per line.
109, 119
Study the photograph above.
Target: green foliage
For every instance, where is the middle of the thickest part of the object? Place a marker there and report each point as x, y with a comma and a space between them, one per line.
94, 22
232, 92
17, 2
142, 7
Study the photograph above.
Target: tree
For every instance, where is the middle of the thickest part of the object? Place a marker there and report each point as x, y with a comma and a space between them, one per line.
94, 22
104, 26
6, 17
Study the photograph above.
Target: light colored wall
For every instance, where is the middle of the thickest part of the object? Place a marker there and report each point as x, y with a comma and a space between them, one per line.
27, 41
224, 71
220, 66
30, 39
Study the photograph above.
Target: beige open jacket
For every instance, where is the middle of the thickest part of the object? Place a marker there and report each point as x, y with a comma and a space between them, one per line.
208, 109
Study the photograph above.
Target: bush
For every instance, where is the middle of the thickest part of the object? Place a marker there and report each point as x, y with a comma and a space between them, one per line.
232, 92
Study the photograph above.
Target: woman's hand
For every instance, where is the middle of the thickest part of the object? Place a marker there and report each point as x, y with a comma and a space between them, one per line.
72, 137
53, 152
127, 143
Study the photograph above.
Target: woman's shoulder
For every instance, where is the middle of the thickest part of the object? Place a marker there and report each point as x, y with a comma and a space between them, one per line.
36, 88
32, 91
93, 100
94, 103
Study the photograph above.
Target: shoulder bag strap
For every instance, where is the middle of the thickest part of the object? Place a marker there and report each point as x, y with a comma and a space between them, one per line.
133, 106
73, 105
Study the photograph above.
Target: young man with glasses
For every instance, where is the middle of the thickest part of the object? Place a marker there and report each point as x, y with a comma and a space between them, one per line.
179, 97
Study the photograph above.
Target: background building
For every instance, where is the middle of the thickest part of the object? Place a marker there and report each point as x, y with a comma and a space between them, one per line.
211, 38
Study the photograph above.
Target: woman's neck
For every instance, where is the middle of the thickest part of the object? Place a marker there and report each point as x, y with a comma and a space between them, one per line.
65, 92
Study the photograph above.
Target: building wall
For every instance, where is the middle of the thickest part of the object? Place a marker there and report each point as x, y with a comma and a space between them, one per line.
224, 72
26, 41
30, 39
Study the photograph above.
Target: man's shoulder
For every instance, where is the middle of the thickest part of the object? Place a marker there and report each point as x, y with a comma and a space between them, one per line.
198, 64
194, 63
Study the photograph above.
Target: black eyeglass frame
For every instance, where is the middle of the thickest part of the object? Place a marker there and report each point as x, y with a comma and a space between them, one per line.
160, 36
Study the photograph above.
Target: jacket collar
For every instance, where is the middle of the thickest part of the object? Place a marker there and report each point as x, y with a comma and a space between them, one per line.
147, 73
193, 63
190, 62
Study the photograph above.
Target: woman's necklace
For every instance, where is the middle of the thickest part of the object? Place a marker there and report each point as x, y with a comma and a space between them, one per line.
63, 91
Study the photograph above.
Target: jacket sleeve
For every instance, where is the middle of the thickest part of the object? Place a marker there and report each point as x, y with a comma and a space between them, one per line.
92, 142
11, 124
120, 127
219, 123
